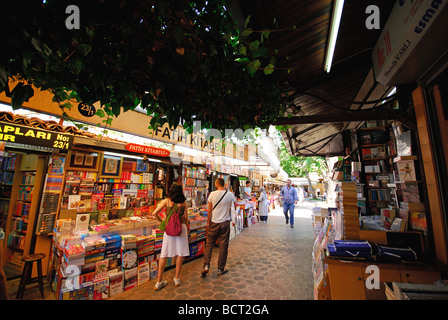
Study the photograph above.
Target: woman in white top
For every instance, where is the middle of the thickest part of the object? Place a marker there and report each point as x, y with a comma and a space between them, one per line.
173, 246
263, 205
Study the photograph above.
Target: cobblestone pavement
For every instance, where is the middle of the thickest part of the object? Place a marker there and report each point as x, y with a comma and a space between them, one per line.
267, 262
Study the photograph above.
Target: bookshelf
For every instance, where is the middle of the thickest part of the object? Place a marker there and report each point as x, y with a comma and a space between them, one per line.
22, 212
7, 170
390, 175
195, 184
377, 149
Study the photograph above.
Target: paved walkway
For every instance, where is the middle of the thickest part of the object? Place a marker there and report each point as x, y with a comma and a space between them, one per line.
267, 262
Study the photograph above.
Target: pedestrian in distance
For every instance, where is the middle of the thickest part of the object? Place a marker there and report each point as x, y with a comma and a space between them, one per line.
263, 205
290, 198
173, 246
218, 226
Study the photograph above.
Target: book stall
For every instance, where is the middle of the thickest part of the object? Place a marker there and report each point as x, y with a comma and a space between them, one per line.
107, 198
379, 219
25, 151
105, 240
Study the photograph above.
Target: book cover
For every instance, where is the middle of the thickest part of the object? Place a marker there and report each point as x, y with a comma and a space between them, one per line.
153, 270
103, 215
417, 221
366, 153
82, 222
143, 273
101, 289
73, 201
406, 170
129, 259
142, 193
130, 278
129, 166
95, 199
84, 205
410, 192
116, 283
366, 139
101, 269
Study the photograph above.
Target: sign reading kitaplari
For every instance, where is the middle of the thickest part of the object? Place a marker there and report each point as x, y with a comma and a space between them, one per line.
34, 136
153, 151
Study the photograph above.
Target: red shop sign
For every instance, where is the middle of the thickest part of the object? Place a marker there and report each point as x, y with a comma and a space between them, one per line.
137, 148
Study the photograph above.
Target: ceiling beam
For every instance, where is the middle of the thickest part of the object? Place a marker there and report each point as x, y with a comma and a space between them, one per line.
348, 117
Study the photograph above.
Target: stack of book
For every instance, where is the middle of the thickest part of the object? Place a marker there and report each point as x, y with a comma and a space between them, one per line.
158, 238
197, 221
128, 241
196, 235
95, 248
73, 255
350, 209
112, 251
128, 251
145, 245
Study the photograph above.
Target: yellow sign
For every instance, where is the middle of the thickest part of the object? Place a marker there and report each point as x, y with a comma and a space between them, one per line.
36, 137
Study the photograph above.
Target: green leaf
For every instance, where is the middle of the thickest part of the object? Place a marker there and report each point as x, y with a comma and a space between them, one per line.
246, 32
66, 105
246, 22
254, 45
243, 50
100, 113
253, 66
269, 69
261, 52
265, 34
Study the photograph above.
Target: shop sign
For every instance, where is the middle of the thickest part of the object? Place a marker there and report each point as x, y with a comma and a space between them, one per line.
137, 148
404, 29
36, 137
181, 137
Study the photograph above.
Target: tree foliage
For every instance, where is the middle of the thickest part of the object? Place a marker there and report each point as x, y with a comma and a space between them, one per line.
179, 60
300, 167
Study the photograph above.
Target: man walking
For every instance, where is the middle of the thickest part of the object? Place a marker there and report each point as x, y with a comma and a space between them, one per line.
218, 226
290, 198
